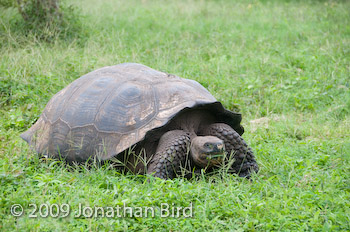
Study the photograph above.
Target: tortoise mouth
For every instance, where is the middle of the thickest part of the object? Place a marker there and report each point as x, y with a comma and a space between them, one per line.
213, 158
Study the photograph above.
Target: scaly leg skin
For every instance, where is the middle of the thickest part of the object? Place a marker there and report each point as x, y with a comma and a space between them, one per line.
244, 162
170, 155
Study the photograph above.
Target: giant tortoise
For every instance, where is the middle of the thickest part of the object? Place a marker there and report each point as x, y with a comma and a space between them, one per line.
168, 122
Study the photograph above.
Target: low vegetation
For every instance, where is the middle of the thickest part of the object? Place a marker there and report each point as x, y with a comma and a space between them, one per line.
285, 65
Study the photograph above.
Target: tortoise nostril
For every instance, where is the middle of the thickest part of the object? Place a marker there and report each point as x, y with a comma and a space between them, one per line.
220, 146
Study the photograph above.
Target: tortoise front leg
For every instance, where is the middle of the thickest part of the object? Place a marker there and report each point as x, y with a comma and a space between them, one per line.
244, 158
170, 155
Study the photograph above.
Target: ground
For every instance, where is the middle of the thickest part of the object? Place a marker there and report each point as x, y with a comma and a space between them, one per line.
285, 65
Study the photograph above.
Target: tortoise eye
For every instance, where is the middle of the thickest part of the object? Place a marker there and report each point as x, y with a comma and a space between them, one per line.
207, 145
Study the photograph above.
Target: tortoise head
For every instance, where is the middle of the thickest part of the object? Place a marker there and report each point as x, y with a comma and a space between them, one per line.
207, 151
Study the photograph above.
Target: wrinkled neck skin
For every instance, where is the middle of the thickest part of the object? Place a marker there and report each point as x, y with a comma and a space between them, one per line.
192, 121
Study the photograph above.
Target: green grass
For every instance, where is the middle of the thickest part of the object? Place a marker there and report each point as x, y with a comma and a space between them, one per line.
284, 64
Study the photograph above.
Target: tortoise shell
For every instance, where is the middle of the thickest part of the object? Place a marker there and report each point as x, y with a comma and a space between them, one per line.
111, 109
